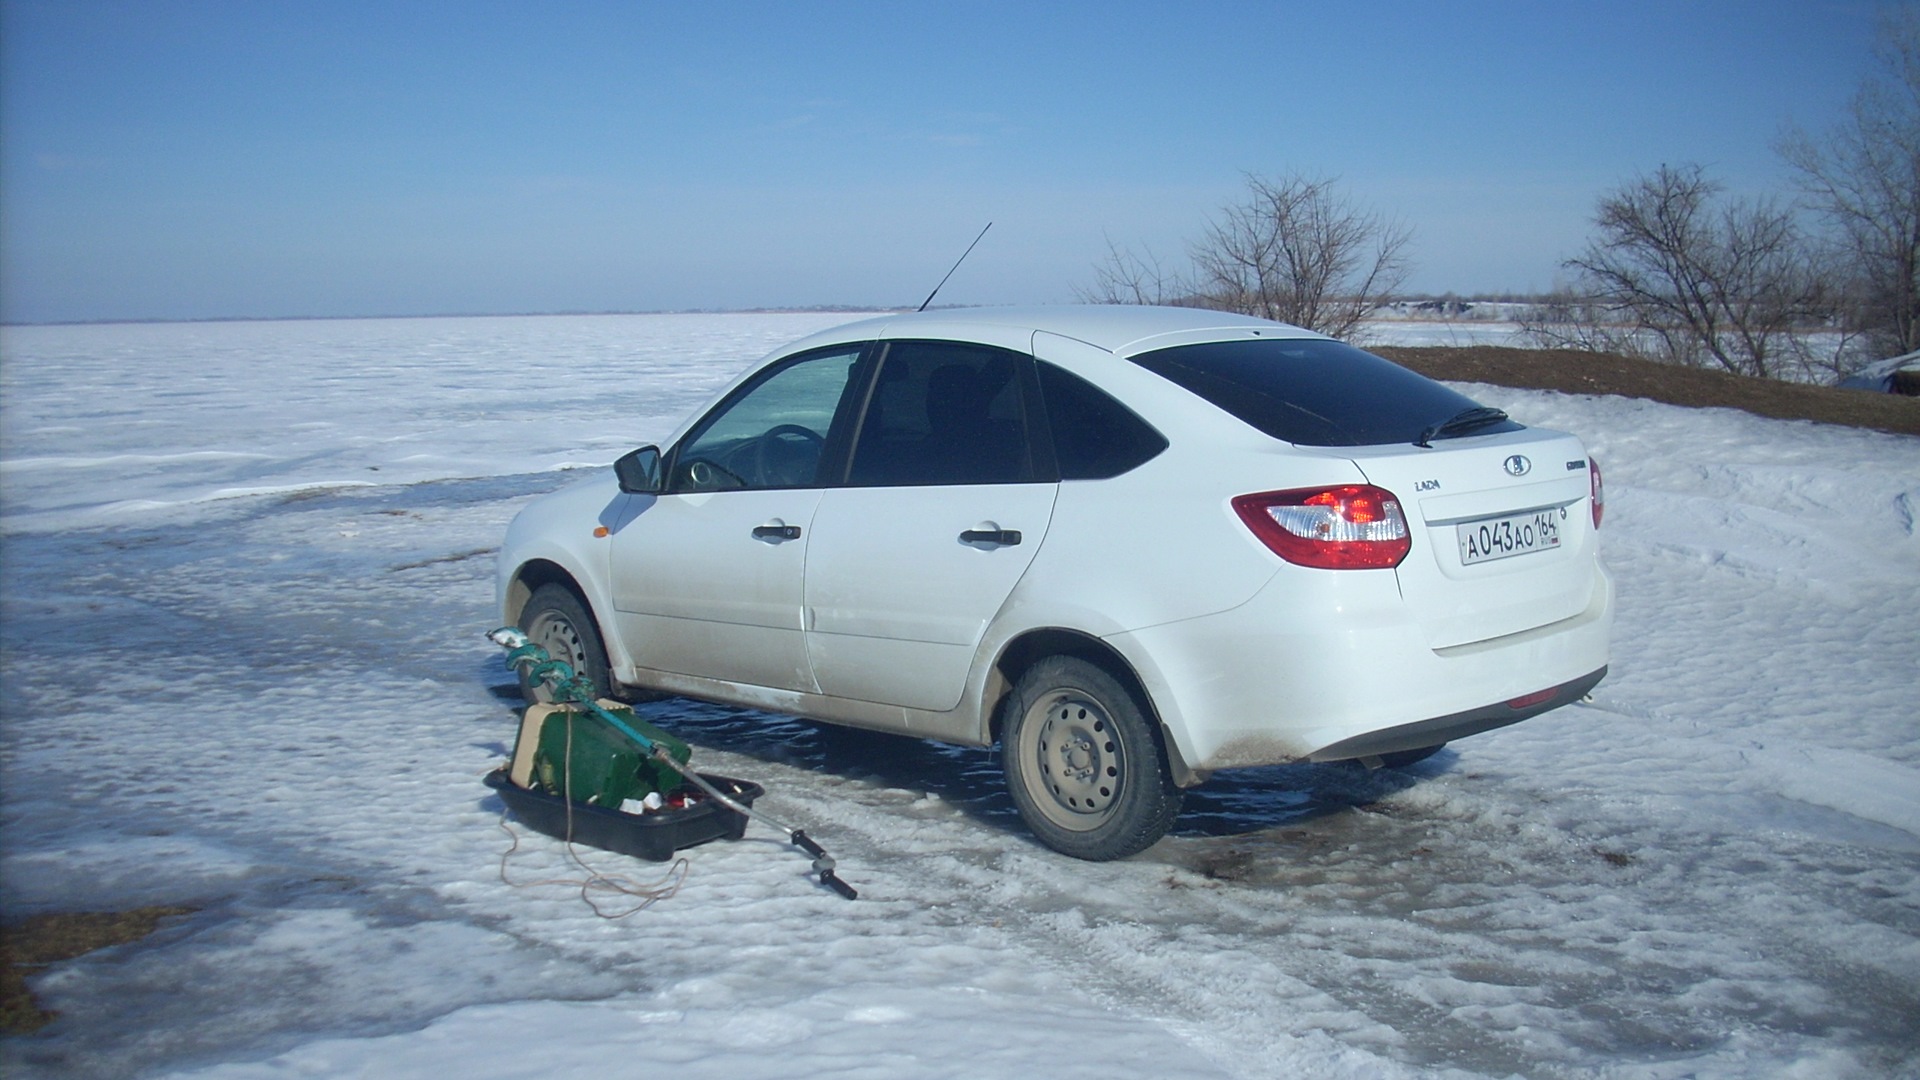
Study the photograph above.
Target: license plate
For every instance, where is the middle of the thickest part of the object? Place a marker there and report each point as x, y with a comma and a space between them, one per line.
1505, 537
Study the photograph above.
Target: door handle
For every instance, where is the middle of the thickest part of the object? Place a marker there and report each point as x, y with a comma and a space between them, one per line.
1003, 537
776, 532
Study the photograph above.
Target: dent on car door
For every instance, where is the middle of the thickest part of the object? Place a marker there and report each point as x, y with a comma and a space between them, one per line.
946, 500
708, 577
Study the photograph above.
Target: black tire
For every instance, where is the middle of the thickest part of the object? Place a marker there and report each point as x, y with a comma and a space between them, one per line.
1084, 762
558, 622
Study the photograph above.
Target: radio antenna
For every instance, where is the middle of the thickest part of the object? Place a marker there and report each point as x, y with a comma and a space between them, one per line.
956, 266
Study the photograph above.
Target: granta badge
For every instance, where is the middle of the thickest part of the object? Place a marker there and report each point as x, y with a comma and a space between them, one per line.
1517, 465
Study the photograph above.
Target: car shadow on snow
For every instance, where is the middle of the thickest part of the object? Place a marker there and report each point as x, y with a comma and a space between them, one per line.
965, 777
1231, 804
508, 692
1251, 800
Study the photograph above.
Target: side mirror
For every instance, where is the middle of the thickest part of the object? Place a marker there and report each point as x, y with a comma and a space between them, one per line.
639, 471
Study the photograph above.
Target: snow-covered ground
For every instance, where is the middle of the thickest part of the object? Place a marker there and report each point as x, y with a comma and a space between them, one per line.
245, 575
1482, 324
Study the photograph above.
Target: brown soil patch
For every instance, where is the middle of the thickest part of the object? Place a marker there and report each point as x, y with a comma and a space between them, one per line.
1575, 372
29, 945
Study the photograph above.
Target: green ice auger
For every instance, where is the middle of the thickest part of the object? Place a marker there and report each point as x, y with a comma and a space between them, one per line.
567, 686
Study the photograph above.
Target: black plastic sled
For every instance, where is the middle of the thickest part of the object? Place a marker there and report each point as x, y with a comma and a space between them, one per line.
654, 835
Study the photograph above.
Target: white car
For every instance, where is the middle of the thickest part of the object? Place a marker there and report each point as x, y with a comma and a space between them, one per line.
1132, 545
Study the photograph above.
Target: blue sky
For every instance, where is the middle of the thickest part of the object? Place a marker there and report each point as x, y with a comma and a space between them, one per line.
195, 159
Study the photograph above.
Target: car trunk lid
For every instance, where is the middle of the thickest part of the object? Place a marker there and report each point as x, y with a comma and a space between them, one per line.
1503, 534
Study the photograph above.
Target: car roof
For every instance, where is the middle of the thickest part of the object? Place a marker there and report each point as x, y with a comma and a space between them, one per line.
1112, 327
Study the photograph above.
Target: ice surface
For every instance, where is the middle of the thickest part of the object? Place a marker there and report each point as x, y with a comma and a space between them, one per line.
277, 706
108, 423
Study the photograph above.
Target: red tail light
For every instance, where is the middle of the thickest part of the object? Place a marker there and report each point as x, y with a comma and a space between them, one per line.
1599, 490
1527, 701
1351, 527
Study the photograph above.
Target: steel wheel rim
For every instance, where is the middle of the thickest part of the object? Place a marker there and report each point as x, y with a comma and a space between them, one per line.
1069, 741
561, 639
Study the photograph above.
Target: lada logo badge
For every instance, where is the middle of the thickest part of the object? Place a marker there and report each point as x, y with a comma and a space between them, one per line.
1517, 465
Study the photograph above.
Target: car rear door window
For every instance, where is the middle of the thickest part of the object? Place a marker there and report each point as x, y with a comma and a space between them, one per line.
1316, 392
945, 413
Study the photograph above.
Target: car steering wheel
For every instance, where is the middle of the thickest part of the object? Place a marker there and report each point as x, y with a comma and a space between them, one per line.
766, 462
705, 474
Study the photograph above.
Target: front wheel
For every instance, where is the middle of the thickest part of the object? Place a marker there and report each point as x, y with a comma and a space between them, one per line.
1083, 763
557, 621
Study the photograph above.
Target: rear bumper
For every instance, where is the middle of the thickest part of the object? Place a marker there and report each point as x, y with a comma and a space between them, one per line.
1458, 725
1279, 680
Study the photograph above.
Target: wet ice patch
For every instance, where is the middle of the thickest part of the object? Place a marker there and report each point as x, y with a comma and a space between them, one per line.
244, 979
111, 874
844, 1033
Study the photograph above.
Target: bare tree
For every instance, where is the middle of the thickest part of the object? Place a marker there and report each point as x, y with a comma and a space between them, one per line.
1691, 278
1568, 319
1295, 250
1864, 179
1298, 251
1125, 278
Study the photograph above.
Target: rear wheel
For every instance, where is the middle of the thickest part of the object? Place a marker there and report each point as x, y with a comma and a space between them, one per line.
557, 621
1084, 764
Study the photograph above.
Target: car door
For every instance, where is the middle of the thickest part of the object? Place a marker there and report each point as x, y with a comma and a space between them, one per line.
708, 577
947, 497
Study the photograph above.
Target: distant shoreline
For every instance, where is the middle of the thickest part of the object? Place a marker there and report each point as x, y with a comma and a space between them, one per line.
1412, 307
824, 309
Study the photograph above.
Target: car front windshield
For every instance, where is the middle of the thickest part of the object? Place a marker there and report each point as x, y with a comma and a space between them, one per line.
1316, 392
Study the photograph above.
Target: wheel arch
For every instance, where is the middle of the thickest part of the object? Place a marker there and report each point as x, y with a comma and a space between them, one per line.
531, 576
1036, 645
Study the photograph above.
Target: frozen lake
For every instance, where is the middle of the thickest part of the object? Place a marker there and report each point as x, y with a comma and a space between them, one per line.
247, 567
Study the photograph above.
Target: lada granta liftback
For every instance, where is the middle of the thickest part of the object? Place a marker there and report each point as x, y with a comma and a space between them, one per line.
1131, 545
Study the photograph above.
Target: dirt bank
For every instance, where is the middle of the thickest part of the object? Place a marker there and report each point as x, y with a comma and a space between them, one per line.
1600, 373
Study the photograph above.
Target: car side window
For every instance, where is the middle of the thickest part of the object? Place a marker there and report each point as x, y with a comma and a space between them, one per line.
1094, 436
773, 432
945, 413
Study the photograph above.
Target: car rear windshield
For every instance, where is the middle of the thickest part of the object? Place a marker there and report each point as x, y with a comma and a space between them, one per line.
1316, 392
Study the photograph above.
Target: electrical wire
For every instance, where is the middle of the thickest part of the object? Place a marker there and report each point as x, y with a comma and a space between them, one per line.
647, 894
